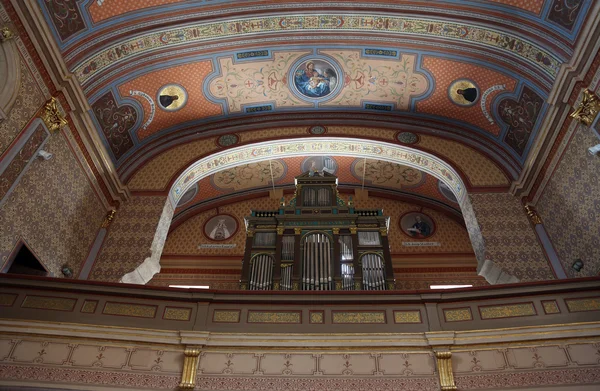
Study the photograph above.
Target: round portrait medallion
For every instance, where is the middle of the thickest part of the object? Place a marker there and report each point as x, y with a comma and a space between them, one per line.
463, 92
171, 97
417, 225
220, 227
316, 78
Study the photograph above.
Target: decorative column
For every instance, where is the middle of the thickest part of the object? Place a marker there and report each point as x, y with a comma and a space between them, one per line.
190, 367
355, 261
544, 239
277, 265
246, 262
297, 264
390, 281
100, 236
337, 260
444, 364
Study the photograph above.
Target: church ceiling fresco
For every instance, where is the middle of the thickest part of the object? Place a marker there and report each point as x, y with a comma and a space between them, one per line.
164, 74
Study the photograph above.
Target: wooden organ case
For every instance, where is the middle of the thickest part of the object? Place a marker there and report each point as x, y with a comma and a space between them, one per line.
317, 242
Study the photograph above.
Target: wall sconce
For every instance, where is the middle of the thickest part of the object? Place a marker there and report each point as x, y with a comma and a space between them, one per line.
44, 154
578, 265
594, 150
66, 271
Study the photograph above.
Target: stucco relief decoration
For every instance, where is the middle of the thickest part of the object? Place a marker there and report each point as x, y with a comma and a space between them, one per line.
52, 116
521, 116
565, 12
394, 81
407, 138
116, 122
228, 140
246, 83
249, 175
379, 172
66, 16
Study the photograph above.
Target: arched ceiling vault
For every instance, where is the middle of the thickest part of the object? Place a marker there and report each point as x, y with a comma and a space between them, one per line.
388, 71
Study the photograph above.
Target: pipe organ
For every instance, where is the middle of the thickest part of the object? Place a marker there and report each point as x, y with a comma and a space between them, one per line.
317, 242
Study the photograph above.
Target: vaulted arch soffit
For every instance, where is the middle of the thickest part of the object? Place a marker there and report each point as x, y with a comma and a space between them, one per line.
397, 63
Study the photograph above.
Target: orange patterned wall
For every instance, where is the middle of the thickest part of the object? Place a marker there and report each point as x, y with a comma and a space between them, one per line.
191, 76
187, 237
448, 71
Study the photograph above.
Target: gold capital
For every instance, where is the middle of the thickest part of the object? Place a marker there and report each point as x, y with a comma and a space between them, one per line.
190, 367
533, 214
588, 109
444, 362
280, 230
336, 231
297, 231
6, 34
52, 116
250, 233
353, 230
109, 218
383, 231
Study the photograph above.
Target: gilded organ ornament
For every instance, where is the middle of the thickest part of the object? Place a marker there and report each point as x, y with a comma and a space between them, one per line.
588, 109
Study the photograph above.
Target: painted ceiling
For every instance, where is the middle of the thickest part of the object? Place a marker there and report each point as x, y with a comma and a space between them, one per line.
171, 81
256, 178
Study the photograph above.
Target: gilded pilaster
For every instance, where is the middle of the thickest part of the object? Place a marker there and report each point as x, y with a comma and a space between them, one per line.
190, 367
444, 362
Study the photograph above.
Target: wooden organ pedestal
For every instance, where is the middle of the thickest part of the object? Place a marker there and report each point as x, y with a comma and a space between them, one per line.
317, 242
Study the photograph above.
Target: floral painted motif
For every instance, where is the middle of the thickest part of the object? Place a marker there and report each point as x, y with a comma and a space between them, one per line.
115, 122
66, 17
521, 116
394, 81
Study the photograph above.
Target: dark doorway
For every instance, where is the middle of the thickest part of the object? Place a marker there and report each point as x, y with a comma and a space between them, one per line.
25, 262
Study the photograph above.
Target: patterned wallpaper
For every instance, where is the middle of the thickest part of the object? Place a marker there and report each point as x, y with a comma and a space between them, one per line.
54, 209
129, 238
186, 238
29, 100
510, 241
570, 206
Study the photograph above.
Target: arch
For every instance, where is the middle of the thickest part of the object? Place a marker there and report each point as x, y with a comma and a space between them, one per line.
10, 76
334, 146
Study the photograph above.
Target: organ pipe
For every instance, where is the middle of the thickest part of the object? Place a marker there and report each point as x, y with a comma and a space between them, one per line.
261, 272
373, 269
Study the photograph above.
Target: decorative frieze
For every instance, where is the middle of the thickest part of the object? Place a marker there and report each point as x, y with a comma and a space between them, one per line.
49, 303
274, 317
507, 311
458, 314
356, 317
584, 304
177, 313
129, 309
407, 316
226, 316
